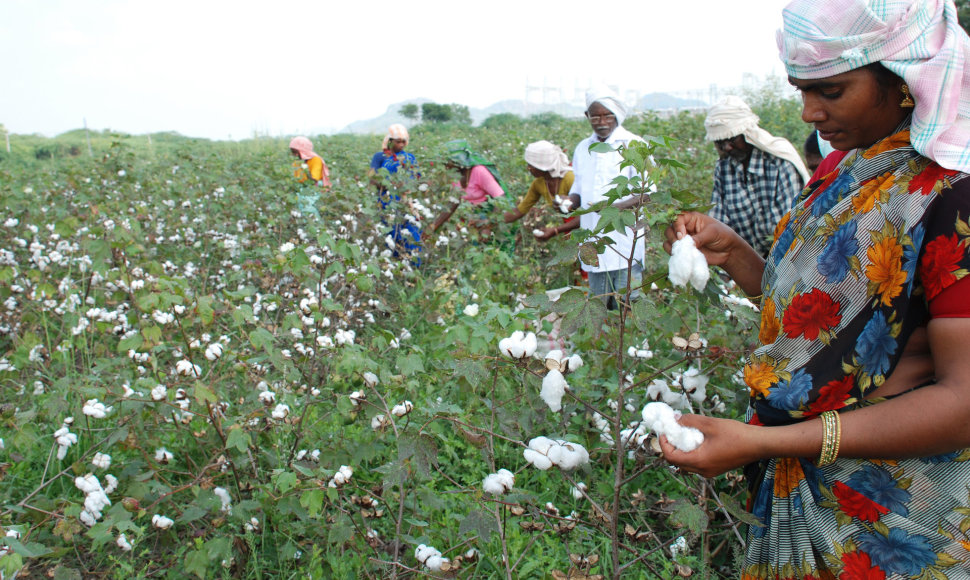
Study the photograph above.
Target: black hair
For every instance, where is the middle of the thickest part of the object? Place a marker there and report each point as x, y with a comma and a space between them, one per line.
811, 144
887, 80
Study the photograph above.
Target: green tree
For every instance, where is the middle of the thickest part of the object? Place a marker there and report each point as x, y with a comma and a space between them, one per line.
435, 113
410, 111
963, 14
460, 114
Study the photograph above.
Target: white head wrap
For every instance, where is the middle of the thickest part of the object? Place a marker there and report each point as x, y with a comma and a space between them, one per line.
605, 96
396, 131
547, 157
732, 117
919, 40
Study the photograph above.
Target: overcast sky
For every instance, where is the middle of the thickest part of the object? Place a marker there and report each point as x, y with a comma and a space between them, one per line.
226, 69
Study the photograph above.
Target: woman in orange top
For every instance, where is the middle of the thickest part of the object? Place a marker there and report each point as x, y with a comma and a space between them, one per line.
310, 165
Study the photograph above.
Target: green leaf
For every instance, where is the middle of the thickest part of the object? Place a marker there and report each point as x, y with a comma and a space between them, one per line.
472, 371
133, 342
480, 523
286, 481
204, 395
733, 507
410, 364
192, 513
196, 562
238, 438
601, 147
204, 308
260, 338
312, 501
689, 515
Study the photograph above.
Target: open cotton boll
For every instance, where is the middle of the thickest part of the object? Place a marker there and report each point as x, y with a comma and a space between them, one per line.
538, 460
553, 388
554, 359
571, 455
499, 482
687, 264
530, 343
575, 362
662, 420
538, 233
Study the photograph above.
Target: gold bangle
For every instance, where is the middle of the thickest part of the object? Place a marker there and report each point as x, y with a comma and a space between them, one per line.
831, 437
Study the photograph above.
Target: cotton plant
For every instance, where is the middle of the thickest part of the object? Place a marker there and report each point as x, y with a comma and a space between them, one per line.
662, 420
162, 522
402, 409
687, 264
96, 409
64, 438
95, 498
341, 477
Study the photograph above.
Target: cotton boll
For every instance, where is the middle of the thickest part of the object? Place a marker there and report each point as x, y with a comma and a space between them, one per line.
577, 490
553, 388
162, 522
554, 360
370, 379
471, 310
575, 362
530, 343
656, 389
686, 439
687, 264
498, 483
572, 455
538, 460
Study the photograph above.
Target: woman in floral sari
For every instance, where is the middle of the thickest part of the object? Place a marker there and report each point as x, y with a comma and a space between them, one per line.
857, 443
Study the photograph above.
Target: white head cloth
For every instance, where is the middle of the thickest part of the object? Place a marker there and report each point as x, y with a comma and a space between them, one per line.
732, 117
919, 40
547, 157
605, 96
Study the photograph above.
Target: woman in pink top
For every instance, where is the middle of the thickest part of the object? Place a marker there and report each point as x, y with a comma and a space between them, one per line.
479, 180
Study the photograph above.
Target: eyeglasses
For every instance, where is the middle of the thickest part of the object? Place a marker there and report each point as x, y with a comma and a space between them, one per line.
598, 118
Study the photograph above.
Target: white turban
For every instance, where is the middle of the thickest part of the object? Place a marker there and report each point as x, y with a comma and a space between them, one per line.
396, 131
732, 117
605, 96
547, 157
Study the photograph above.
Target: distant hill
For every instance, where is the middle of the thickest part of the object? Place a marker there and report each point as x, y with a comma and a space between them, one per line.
378, 125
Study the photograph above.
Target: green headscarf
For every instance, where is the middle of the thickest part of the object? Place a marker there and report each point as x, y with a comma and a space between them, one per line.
461, 154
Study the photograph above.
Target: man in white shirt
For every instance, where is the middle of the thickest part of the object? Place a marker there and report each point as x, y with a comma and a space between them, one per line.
622, 261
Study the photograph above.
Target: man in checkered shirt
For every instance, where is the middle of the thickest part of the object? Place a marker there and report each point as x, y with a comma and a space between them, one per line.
757, 177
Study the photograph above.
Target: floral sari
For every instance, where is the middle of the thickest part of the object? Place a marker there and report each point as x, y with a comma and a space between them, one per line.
848, 280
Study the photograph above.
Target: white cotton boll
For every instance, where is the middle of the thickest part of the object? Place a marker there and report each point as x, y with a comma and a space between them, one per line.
281, 411
554, 359
498, 483
101, 460
510, 348
678, 546
577, 490
213, 351
186, 368
112, 483
267, 398
95, 409
370, 379
687, 264
538, 460
538, 233
159, 393
357, 398
162, 522
163, 455
657, 388
686, 438
224, 497
572, 455
379, 421
471, 310
402, 409
575, 362
676, 400
541, 444
123, 543
530, 343
553, 389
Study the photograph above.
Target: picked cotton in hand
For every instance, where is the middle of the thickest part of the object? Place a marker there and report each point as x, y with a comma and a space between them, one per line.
687, 264
662, 420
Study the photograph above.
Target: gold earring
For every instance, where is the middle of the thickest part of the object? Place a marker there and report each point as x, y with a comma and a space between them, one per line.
908, 102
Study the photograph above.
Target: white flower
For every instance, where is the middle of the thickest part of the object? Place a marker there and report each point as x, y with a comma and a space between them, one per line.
471, 310
499, 482
185, 367
159, 393
687, 264
662, 420
281, 411
122, 543
370, 379
163, 455
101, 460
402, 409
162, 522
213, 351
93, 408
553, 389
